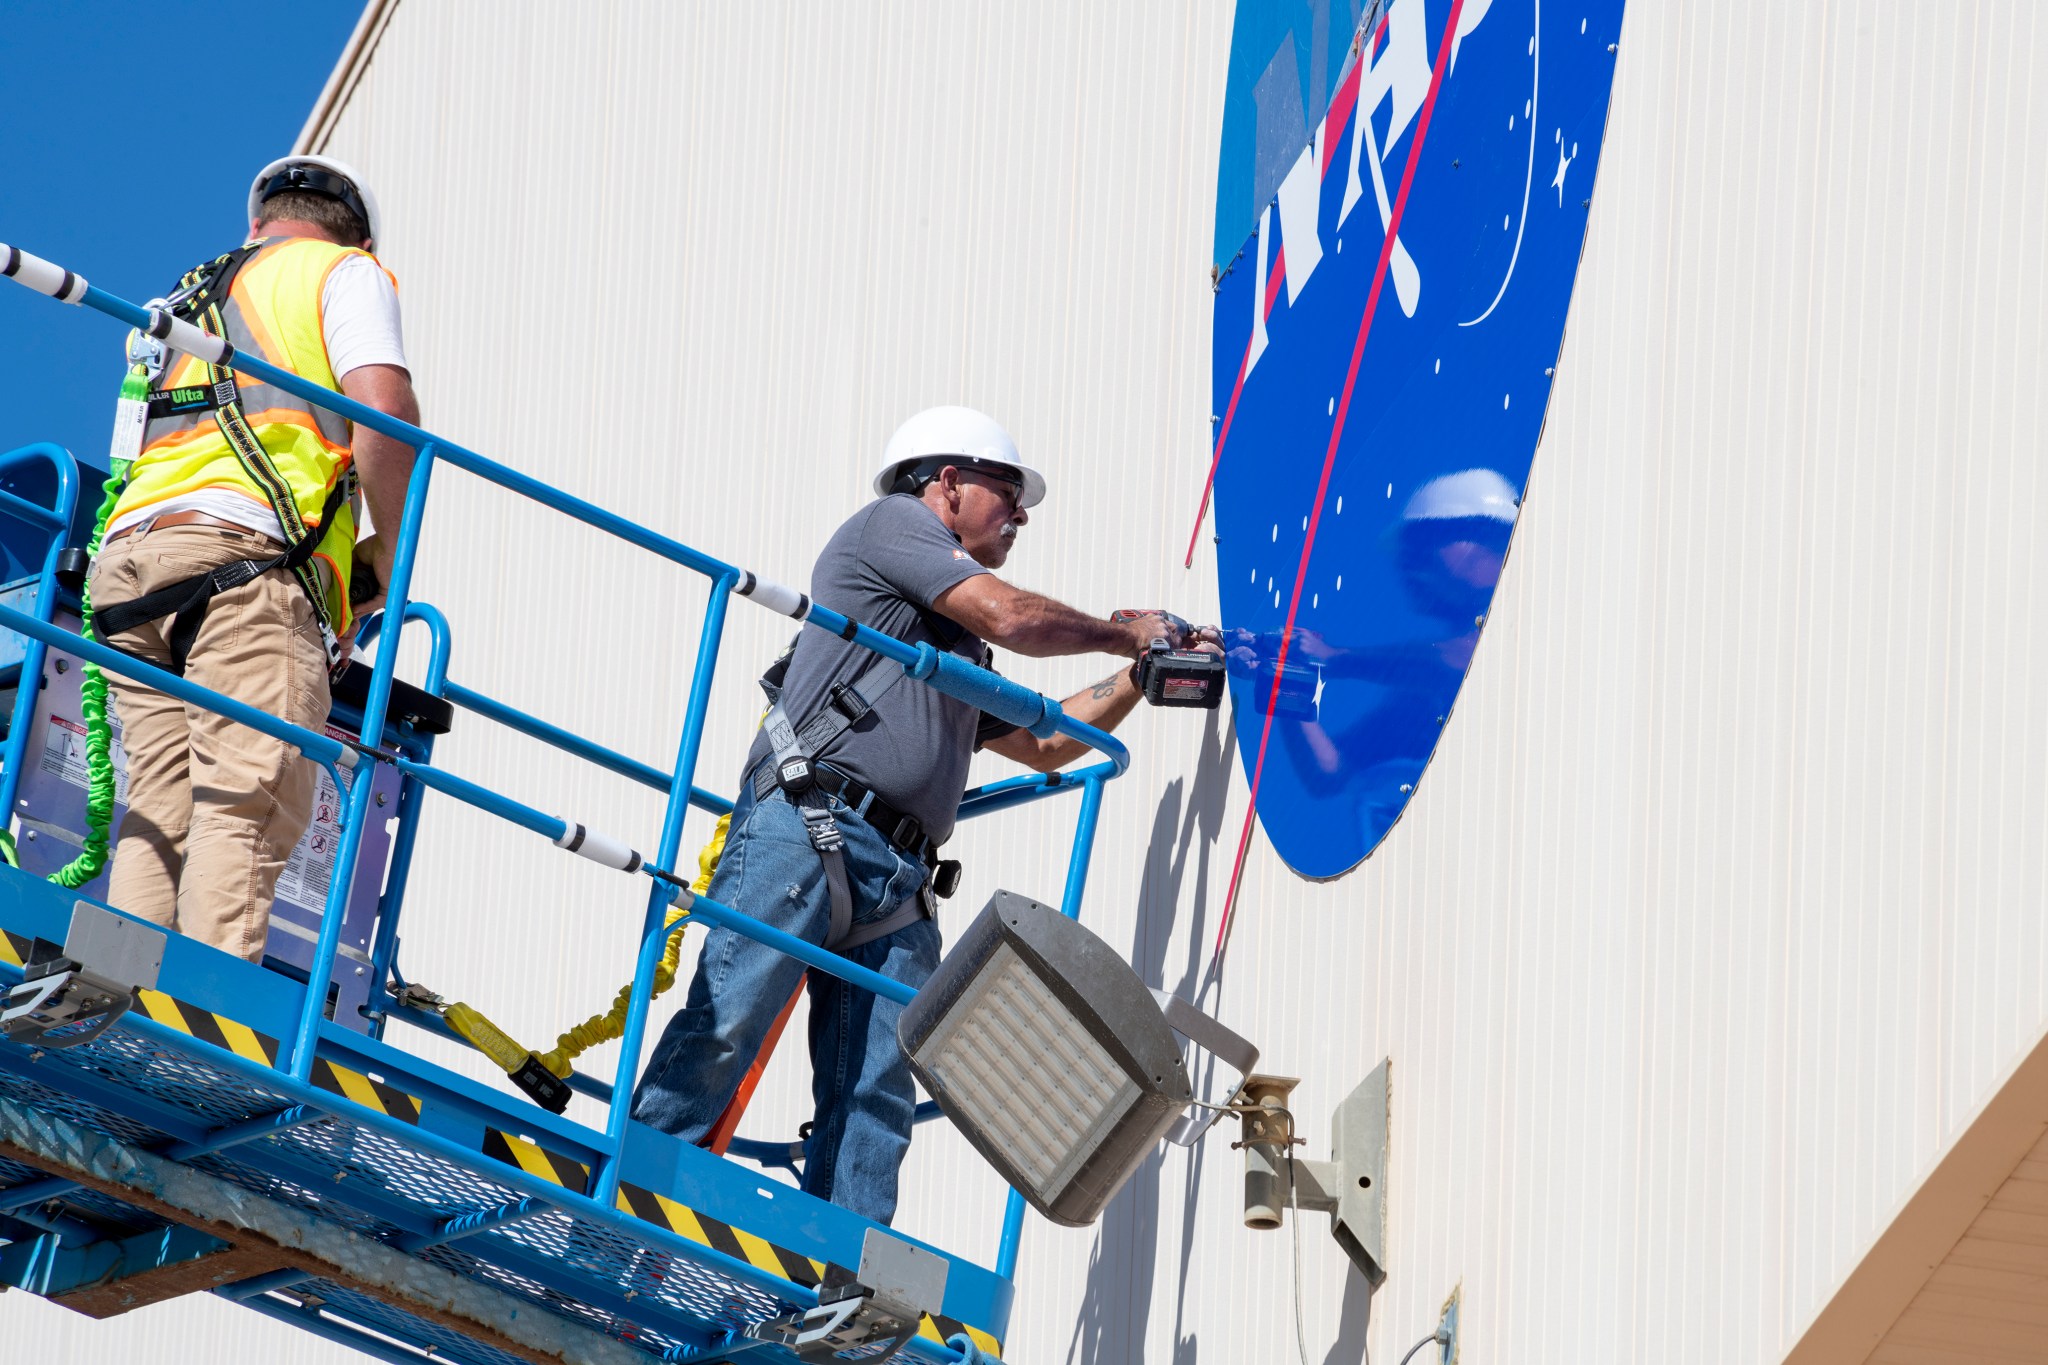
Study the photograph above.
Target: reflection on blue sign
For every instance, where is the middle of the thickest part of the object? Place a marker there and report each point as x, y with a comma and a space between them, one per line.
1379, 397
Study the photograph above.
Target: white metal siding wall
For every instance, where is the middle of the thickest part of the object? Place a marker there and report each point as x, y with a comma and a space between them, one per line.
1721, 906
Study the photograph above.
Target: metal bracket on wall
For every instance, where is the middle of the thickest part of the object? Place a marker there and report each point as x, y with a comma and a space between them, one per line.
1350, 1186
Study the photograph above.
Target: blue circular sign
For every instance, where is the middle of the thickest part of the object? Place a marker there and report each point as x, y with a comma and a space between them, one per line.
1384, 346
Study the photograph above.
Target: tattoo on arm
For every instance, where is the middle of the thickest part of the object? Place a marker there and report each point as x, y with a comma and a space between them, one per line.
1106, 689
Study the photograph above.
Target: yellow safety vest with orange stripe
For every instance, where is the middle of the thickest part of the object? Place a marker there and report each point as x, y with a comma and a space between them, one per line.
273, 313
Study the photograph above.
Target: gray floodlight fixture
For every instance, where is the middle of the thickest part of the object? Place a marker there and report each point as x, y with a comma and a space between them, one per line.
1062, 1068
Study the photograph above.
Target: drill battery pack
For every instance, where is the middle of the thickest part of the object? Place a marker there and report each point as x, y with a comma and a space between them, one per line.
1182, 677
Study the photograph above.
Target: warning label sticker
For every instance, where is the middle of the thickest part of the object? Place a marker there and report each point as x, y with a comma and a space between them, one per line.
64, 756
310, 870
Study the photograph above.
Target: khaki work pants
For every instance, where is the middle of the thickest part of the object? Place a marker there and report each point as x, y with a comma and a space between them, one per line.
214, 808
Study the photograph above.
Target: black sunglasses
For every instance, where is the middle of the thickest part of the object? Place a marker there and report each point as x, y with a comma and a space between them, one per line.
1013, 487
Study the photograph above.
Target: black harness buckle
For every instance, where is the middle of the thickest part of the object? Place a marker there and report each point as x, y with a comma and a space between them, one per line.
848, 701
908, 835
823, 830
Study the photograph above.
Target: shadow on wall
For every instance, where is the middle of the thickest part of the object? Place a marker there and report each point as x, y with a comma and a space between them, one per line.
1349, 1348
1116, 1310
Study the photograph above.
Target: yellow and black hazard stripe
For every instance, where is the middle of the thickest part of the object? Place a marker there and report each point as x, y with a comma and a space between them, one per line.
742, 1245
705, 1230
245, 1042
552, 1167
367, 1091
940, 1329
207, 1026
174, 1013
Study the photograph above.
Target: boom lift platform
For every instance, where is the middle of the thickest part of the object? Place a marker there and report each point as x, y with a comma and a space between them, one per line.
174, 1120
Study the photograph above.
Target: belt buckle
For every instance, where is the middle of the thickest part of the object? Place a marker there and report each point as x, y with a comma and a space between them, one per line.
907, 835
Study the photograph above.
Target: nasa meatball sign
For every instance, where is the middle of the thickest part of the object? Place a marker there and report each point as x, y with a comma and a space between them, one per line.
1384, 346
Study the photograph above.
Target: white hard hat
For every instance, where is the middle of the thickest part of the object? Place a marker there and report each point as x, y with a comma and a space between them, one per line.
1477, 493
315, 175
975, 437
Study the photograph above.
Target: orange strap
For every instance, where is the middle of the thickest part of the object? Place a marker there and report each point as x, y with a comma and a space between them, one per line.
721, 1134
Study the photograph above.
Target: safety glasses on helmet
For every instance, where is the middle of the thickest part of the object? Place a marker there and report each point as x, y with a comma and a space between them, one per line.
312, 180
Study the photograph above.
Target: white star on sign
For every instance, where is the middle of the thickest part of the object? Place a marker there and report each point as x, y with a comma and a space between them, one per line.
1563, 164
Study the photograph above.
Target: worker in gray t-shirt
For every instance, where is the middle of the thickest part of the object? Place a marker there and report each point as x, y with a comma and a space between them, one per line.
887, 762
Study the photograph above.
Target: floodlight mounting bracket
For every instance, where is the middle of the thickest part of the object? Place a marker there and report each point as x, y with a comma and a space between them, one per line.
1226, 1046
1350, 1187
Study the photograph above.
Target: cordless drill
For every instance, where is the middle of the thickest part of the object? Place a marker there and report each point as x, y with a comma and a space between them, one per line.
1171, 676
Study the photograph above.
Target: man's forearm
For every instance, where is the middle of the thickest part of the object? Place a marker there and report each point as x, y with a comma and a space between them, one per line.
1040, 627
1103, 705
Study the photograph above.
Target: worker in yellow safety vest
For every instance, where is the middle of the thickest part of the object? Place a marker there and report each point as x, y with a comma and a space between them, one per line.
231, 557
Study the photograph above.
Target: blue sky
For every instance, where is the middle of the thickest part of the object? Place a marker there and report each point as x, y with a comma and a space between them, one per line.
113, 166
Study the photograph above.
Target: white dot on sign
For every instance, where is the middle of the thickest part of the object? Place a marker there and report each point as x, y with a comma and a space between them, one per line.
1390, 491
1276, 532
1503, 222
1439, 364
1276, 597
1528, 108
1504, 402
1269, 583
1255, 575
1331, 411
1340, 582
1582, 25
1575, 149
1315, 599
1511, 123
1340, 504
1557, 136
1304, 523
1532, 45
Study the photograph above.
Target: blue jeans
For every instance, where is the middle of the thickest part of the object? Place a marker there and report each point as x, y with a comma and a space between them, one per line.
860, 1081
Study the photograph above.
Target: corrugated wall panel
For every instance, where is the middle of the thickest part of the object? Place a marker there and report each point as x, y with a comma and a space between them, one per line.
1720, 907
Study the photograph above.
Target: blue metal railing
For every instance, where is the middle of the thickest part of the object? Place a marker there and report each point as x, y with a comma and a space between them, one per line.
1009, 700
55, 520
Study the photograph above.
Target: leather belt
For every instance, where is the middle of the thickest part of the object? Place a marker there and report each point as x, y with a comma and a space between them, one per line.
185, 519
903, 831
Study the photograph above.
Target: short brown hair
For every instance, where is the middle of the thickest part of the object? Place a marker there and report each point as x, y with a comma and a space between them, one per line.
331, 216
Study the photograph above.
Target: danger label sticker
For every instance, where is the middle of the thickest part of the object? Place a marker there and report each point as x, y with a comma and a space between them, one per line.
64, 756
309, 872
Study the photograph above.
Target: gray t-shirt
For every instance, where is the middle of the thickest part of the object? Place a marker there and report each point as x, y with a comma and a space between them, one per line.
883, 568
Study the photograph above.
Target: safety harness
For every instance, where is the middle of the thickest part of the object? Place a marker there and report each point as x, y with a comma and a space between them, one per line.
792, 765
200, 298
